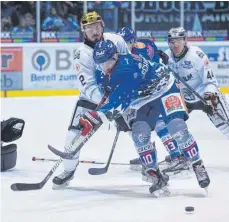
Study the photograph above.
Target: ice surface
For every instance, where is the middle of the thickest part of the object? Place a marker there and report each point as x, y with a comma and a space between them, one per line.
119, 195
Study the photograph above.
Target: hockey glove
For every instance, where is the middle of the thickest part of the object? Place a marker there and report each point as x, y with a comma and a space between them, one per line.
12, 129
89, 121
163, 56
212, 99
119, 120
121, 124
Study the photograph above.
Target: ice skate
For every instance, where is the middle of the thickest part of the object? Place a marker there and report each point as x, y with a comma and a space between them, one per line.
159, 182
63, 180
201, 174
180, 164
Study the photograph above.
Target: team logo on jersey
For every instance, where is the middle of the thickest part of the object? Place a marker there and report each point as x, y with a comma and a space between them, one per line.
76, 54
206, 64
187, 64
200, 54
78, 67
172, 103
187, 94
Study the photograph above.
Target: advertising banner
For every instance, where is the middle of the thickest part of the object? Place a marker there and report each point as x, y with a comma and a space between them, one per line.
11, 68
49, 67
203, 20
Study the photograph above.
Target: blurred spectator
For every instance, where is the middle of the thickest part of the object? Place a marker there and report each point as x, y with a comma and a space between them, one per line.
11, 13
23, 26
30, 21
6, 24
63, 16
53, 22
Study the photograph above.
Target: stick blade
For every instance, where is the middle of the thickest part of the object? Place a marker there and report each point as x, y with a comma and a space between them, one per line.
60, 153
25, 186
97, 171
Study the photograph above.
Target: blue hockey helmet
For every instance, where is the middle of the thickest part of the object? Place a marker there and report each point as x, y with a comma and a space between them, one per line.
104, 51
128, 34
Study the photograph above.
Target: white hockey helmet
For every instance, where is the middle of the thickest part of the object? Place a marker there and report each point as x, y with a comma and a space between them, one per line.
175, 33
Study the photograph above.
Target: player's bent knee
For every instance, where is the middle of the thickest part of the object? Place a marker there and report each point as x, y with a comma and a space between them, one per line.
176, 125
141, 133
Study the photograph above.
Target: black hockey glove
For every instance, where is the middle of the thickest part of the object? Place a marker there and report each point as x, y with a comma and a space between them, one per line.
119, 120
121, 124
12, 129
163, 56
212, 99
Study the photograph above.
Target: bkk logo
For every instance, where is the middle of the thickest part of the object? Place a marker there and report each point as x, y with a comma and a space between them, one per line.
41, 60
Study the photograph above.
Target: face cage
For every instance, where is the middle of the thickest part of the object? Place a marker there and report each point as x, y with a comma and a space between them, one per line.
101, 21
185, 39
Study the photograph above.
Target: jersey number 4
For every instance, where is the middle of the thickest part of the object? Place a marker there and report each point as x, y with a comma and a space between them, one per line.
210, 74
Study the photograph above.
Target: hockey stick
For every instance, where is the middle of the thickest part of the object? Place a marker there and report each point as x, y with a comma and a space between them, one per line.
99, 171
38, 186
81, 161
197, 94
35, 186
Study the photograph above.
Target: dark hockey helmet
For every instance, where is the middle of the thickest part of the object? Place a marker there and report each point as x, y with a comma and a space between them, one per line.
128, 34
104, 51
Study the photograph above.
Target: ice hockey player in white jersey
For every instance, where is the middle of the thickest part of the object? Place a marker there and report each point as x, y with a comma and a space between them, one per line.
192, 64
92, 27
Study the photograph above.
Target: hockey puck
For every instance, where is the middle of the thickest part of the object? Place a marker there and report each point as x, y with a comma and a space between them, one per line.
34, 158
189, 209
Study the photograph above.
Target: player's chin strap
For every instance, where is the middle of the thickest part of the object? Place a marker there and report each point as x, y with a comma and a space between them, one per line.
196, 94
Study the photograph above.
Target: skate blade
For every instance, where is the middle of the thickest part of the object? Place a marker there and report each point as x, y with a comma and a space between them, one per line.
61, 186
206, 190
163, 192
136, 167
150, 180
182, 174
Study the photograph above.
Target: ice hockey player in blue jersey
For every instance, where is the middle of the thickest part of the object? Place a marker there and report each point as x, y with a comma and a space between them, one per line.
146, 48
135, 84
